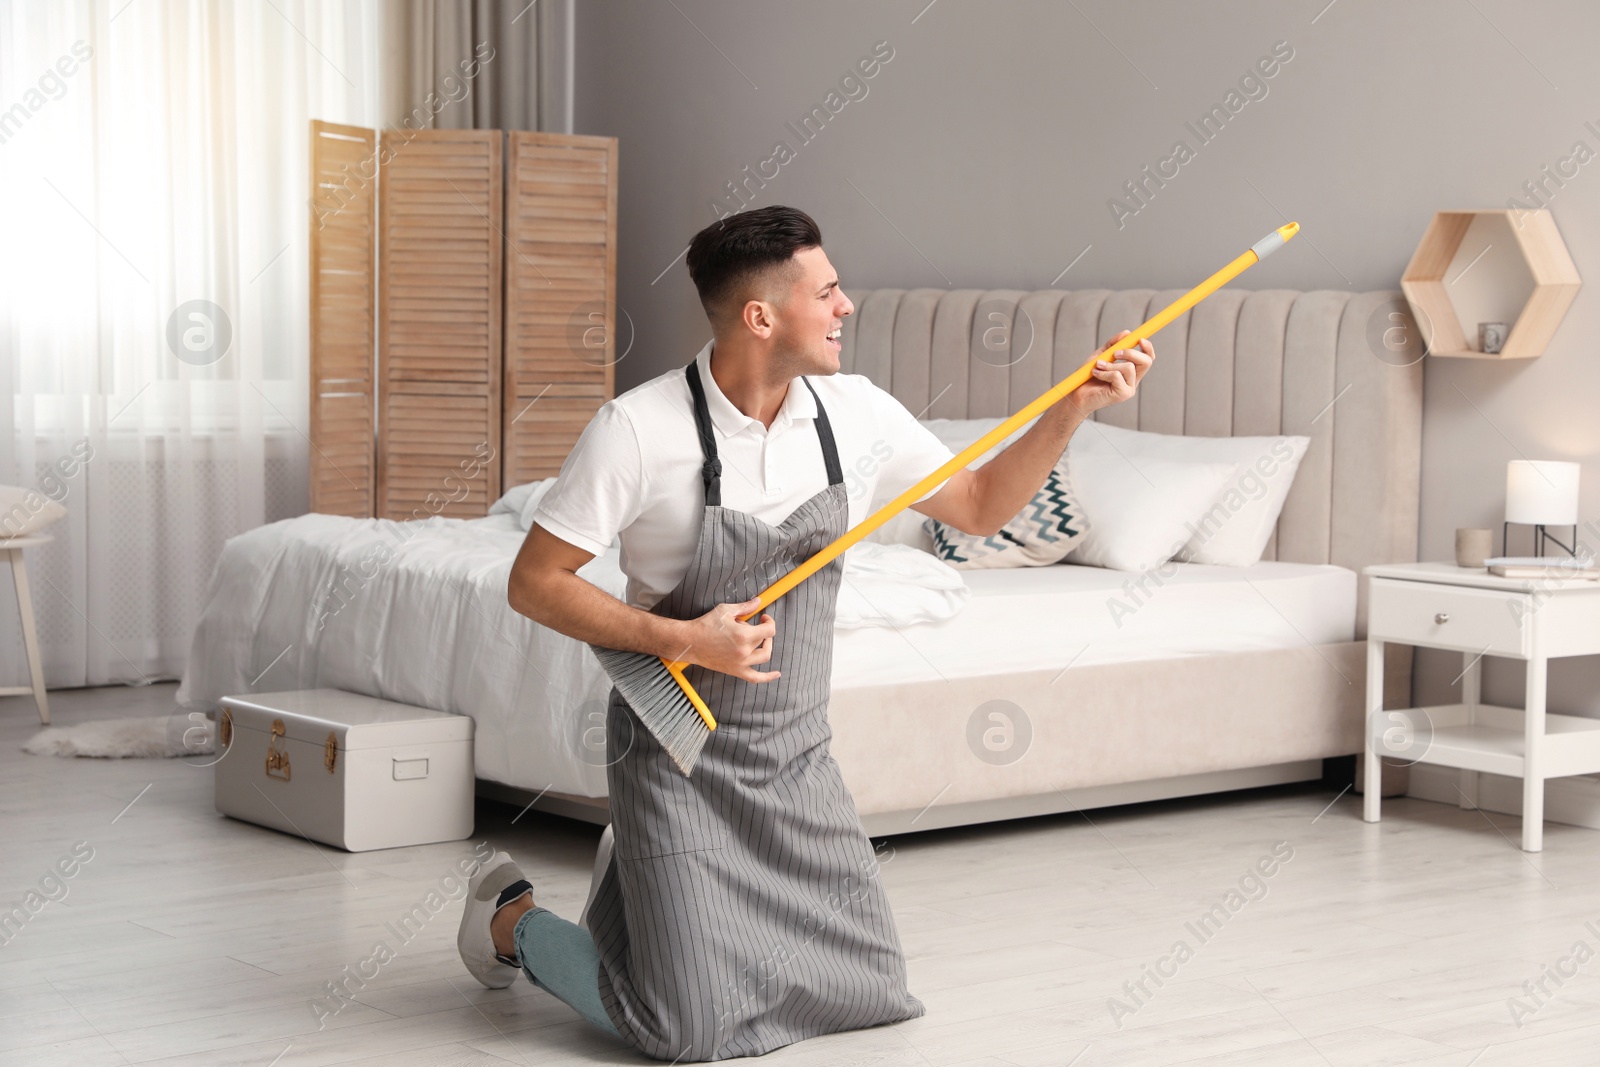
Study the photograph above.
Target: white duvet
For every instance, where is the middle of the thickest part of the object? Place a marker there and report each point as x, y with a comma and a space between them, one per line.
416, 612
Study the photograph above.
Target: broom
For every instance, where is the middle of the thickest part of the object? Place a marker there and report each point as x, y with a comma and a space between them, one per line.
655, 687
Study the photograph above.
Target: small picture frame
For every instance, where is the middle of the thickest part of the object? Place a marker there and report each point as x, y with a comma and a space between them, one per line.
1491, 337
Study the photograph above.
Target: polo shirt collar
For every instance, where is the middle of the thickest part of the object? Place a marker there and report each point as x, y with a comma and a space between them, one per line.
798, 404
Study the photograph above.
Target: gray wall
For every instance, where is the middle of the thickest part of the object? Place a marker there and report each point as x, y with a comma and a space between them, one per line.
985, 151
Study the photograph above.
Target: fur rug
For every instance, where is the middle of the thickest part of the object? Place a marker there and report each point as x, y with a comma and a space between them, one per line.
169, 735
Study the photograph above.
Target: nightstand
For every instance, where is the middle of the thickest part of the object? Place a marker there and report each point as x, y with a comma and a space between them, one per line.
1440, 605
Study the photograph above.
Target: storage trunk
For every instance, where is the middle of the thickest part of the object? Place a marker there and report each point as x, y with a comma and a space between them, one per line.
345, 769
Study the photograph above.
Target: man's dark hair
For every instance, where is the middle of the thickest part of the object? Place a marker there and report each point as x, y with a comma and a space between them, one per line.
728, 256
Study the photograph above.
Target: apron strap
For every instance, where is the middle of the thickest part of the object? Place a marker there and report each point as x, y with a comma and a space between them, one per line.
830, 453
711, 469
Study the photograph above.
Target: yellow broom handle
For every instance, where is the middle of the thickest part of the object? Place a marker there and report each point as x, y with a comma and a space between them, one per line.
1245, 260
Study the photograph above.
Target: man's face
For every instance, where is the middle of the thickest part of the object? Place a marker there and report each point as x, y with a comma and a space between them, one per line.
807, 322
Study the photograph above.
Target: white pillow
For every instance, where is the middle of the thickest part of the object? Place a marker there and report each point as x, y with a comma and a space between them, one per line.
907, 528
910, 527
1235, 530
25, 511
1141, 508
956, 434
1043, 532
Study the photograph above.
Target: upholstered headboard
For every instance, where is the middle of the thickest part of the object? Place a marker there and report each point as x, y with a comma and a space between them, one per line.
1344, 369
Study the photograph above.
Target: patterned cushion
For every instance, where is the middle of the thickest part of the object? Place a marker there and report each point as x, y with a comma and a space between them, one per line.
1042, 532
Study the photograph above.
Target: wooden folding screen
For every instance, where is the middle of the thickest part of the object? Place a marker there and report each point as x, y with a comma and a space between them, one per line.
343, 226
493, 288
561, 333
439, 289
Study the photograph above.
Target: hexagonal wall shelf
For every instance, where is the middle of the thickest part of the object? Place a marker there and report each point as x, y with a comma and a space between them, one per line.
1474, 267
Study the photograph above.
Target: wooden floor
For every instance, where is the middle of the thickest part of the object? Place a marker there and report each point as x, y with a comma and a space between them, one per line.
192, 939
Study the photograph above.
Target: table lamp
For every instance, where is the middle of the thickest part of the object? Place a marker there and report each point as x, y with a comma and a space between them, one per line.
1541, 493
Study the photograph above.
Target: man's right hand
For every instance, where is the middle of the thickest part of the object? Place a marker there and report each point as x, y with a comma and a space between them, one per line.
544, 585
720, 642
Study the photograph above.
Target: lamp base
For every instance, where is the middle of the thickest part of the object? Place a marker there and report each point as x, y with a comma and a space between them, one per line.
1541, 534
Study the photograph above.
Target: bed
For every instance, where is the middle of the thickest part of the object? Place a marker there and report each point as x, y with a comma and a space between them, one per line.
1010, 694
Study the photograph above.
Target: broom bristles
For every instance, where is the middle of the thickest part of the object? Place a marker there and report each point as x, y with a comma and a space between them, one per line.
660, 703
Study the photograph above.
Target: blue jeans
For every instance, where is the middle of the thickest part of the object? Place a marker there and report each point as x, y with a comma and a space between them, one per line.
568, 965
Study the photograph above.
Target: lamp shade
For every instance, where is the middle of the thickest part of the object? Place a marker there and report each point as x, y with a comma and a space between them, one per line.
1542, 492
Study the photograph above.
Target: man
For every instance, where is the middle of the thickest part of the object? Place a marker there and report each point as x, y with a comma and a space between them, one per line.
741, 910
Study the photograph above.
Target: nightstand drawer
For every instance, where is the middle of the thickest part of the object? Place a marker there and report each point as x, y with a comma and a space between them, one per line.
1474, 620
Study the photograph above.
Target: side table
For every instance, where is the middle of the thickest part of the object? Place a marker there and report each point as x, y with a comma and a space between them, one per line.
1441, 605
13, 546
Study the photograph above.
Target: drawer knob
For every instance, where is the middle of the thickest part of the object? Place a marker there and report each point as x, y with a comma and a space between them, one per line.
1442, 617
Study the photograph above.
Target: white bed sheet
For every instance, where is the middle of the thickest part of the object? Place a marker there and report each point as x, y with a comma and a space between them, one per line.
417, 612
1034, 618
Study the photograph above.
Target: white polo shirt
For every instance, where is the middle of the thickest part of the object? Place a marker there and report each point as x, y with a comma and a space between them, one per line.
634, 473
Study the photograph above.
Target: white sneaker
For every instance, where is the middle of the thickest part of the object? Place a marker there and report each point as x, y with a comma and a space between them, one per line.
497, 883
602, 860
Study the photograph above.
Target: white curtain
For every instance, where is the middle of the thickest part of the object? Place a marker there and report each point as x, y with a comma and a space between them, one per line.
153, 286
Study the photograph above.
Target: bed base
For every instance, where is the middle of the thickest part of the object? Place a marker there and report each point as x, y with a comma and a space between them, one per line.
1096, 736
596, 810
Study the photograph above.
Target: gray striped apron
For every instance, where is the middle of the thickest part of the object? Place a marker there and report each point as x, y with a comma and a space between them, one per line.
743, 909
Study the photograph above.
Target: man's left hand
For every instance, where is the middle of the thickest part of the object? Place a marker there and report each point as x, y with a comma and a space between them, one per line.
1113, 379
